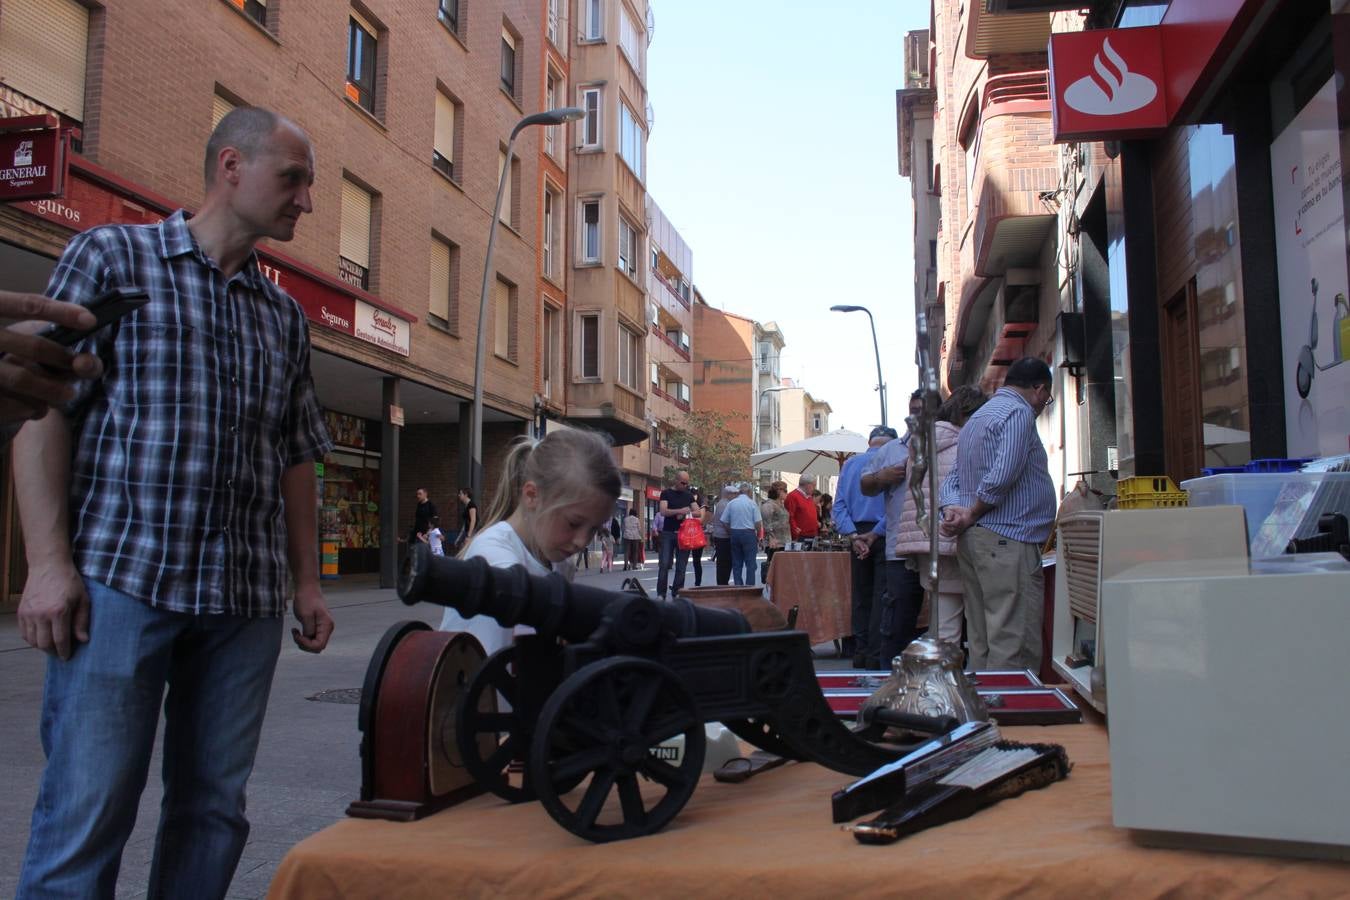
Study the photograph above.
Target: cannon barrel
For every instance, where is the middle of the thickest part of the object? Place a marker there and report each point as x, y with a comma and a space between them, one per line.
553, 606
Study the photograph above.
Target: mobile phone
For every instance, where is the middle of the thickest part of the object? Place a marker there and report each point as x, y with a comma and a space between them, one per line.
107, 307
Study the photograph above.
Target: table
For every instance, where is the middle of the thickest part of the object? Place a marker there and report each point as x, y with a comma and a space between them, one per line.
820, 584
772, 837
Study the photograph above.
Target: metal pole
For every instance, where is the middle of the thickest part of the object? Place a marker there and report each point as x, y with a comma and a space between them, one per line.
876, 350
476, 433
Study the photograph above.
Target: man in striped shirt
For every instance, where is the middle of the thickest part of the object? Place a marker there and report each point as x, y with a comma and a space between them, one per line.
169, 511
1000, 501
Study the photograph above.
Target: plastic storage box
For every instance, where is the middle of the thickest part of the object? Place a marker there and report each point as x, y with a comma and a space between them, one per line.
1257, 493
1148, 492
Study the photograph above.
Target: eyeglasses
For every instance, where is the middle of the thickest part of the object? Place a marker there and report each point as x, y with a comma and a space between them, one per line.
1049, 397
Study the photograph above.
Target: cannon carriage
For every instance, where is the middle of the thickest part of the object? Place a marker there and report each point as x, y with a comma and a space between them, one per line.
570, 715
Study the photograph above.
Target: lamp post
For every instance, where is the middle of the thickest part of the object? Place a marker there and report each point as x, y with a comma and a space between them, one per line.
881, 385
551, 117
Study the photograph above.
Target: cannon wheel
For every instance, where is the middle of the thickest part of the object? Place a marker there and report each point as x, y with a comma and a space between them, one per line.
490, 741
603, 722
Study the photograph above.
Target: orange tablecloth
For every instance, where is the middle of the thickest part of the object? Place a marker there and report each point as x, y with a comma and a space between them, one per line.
772, 837
818, 583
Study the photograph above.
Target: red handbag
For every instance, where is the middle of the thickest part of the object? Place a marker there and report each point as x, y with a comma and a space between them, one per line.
691, 536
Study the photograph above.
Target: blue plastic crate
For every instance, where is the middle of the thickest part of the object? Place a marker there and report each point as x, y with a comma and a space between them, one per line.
1222, 470
1276, 465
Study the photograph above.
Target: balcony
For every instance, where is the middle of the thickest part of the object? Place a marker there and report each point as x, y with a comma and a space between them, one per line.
1017, 170
611, 408
680, 351
988, 34
679, 404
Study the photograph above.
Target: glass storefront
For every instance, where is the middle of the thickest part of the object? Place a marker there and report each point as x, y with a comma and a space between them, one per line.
349, 488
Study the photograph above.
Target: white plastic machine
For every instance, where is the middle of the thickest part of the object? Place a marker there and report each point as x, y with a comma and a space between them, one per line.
1228, 722
1096, 545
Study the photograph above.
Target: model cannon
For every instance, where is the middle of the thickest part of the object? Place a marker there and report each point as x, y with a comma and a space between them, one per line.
610, 676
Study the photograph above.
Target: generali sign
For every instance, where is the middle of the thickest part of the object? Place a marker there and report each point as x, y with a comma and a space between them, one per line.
32, 158
1108, 84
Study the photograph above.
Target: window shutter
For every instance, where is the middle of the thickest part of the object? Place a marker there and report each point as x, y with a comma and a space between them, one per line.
355, 241
440, 279
364, 23
501, 314
507, 200
445, 126
220, 107
42, 52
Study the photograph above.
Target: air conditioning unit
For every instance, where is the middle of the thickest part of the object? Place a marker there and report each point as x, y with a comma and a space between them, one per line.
1096, 545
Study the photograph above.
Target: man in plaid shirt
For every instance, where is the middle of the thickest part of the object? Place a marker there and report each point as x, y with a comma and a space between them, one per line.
167, 509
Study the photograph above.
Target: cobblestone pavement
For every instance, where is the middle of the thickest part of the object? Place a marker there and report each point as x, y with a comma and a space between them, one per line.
308, 766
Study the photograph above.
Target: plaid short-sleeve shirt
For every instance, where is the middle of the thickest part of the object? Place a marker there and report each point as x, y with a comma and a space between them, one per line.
178, 451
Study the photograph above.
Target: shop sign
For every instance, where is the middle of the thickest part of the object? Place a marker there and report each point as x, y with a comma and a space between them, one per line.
396, 415
1107, 84
383, 329
32, 158
653, 493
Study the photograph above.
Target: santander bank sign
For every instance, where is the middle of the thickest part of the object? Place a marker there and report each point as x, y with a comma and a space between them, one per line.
1107, 84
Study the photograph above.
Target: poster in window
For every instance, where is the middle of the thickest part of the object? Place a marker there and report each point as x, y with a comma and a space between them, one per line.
1305, 162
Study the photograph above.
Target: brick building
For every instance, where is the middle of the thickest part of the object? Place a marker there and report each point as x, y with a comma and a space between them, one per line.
409, 110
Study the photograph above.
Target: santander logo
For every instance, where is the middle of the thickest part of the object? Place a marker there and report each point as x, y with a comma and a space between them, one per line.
1113, 90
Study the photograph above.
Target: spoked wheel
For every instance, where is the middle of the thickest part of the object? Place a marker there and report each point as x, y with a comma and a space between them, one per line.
493, 743
602, 723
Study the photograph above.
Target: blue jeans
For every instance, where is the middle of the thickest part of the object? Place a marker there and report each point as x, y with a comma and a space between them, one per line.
670, 551
744, 549
100, 710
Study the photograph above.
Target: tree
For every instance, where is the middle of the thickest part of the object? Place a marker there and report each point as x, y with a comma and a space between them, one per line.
713, 450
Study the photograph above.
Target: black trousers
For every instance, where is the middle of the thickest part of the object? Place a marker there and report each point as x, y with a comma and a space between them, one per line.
900, 612
869, 583
722, 549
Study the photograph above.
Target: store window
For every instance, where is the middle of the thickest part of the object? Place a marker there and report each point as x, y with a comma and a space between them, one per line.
349, 488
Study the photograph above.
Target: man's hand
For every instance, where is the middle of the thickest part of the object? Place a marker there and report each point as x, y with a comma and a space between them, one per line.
862, 544
955, 520
316, 625
34, 372
54, 608
890, 476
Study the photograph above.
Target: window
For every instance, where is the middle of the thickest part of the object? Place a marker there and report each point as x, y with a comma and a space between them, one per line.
444, 301
354, 243
590, 125
551, 338
254, 9
508, 62
443, 146
682, 392
555, 26
628, 248
510, 214
362, 48
43, 47
504, 320
928, 160
552, 134
589, 334
656, 374
552, 231
595, 23
815, 422
684, 291
932, 254
448, 12
630, 39
220, 107
590, 231
630, 139
970, 142
630, 357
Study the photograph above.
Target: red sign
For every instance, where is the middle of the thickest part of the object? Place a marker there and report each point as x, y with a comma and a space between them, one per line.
1108, 84
32, 158
653, 493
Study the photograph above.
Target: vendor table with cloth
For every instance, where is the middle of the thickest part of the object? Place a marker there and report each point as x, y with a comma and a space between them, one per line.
772, 837
820, 585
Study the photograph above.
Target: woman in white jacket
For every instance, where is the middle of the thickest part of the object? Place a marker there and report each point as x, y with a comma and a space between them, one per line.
914, 545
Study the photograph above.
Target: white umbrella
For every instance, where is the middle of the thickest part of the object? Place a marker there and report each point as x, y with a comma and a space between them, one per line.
821, 454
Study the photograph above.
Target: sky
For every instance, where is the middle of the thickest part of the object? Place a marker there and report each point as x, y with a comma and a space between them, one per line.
773, 154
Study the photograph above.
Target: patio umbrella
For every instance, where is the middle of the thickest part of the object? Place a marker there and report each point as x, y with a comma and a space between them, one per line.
821, 454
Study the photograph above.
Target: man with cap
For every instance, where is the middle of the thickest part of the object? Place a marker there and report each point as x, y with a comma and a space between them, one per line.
999, 502
721, 535
861, 520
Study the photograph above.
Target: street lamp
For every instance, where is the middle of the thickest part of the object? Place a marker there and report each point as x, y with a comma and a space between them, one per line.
551, 117
881, 385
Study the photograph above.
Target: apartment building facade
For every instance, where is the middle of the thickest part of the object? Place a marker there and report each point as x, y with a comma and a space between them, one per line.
409, 110
669, 346
609, 315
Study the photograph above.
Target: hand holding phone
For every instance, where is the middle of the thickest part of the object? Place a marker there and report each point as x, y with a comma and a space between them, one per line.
107, 308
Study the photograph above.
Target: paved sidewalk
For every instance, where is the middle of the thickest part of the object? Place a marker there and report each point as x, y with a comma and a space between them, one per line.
308, 766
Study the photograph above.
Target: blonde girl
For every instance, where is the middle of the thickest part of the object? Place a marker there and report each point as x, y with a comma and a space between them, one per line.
553, 495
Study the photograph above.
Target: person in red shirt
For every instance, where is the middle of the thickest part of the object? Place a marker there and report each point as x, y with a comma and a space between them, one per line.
802, 516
